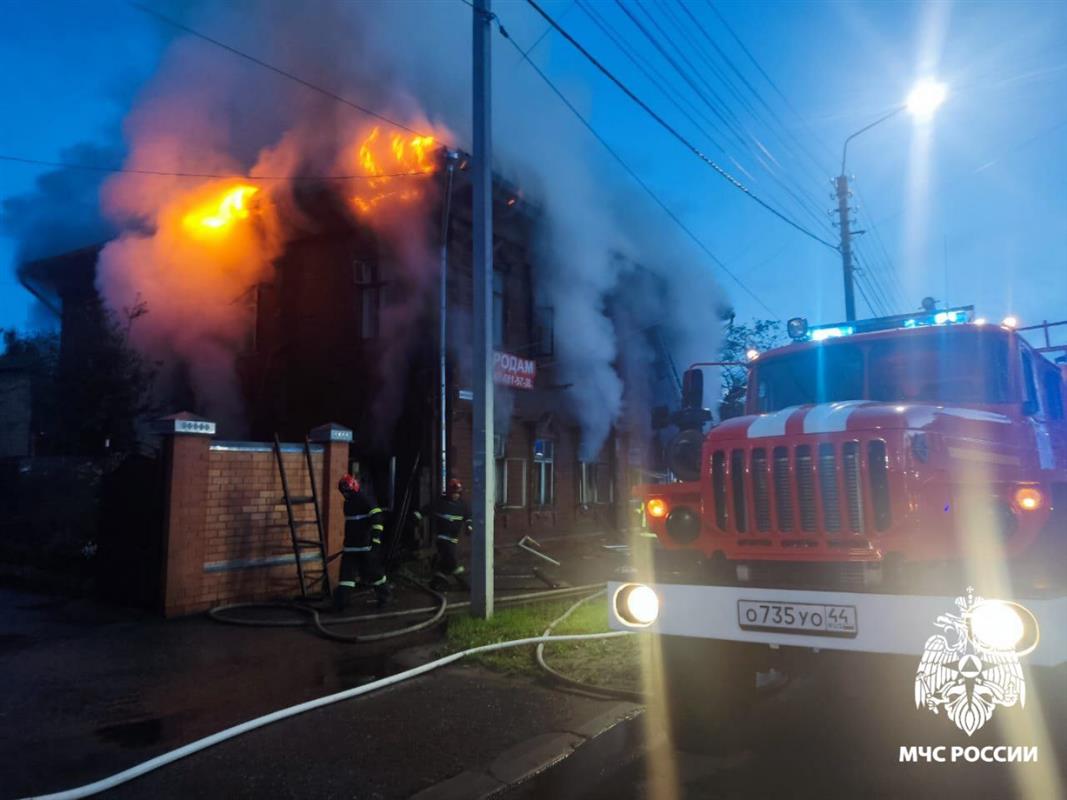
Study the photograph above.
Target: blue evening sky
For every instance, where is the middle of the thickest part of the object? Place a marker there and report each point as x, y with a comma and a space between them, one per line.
970, 207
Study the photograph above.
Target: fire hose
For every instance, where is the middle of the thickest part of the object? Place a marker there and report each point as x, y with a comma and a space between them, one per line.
312, 615
170, 757
559, 677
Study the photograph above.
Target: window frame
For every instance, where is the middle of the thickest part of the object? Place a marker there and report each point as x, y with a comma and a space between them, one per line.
371, 298
503, 468
544, 463
588, 485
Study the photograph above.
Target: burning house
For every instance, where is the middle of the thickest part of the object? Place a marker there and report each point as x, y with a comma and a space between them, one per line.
344, 325
283, 261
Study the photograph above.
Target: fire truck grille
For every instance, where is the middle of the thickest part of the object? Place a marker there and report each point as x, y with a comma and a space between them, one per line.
783, 495
805, 488
829, 488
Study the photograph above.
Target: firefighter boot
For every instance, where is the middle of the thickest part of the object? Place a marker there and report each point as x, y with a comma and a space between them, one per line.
383, 594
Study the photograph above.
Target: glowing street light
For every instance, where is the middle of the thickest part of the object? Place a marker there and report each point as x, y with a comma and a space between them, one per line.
925, 99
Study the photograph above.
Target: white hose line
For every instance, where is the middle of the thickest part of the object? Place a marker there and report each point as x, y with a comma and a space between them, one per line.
218, 612
137, 771
588, 688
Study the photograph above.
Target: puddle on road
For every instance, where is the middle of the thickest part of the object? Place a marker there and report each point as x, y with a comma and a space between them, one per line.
142, 732
251, 699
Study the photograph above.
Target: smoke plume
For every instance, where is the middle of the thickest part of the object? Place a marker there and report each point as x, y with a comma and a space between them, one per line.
207, 111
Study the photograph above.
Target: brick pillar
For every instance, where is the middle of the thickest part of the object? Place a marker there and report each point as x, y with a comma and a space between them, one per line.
335, 440
187, 439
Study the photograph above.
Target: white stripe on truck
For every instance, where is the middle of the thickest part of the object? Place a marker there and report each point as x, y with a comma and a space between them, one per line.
772, 424
830, 417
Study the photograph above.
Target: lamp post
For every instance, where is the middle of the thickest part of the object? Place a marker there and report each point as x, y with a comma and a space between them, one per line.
922, 102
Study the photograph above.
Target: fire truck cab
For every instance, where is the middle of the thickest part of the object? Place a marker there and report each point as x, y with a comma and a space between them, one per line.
880, 468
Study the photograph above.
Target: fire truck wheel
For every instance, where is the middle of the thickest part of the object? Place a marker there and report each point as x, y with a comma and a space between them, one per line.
709, 688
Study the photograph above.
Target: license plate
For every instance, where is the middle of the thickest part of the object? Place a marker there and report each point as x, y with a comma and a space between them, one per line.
812, 619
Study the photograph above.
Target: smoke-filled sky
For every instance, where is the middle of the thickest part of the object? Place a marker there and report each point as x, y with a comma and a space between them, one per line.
980, 189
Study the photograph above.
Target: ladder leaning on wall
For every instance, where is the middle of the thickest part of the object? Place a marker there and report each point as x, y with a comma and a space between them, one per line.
314, 582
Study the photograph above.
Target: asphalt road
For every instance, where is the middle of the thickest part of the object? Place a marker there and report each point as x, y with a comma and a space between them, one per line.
834, 734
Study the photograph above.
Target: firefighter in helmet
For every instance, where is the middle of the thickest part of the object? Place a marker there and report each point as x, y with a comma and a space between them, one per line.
451, 516
359, 558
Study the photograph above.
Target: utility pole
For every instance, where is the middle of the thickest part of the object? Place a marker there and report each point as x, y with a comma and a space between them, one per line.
482, 355
846, 244
451, 157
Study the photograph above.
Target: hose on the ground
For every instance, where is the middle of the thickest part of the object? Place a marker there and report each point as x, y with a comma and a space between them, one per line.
586, 688
312, 616
145, 767
319, 624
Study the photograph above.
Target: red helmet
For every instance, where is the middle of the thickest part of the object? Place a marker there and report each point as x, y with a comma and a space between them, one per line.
348, 485
455, 487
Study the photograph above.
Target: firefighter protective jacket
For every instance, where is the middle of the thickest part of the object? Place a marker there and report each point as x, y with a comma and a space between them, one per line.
450, 518
364, 523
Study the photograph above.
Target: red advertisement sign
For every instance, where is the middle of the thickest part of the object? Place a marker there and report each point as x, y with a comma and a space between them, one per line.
510, 370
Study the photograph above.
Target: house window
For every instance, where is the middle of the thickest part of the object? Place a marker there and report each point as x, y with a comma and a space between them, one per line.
498, 310
254, 302
511, 482
544, 341
597, 486
369, 299
544, 458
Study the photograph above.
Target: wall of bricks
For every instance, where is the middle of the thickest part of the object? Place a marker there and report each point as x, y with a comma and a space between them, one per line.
226, 527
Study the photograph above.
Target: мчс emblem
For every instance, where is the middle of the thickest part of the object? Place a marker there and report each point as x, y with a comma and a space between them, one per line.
974, 666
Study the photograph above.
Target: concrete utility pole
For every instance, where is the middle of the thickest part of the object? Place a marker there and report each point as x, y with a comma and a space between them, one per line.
482, 179
846, 245
451, 158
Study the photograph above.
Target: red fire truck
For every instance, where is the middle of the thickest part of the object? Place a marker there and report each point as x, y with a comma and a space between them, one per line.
880, 468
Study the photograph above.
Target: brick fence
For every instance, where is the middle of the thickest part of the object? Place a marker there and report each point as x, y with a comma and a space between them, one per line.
225, 530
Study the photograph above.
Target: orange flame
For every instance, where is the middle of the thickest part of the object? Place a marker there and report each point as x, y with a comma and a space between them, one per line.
220, 214
391, 161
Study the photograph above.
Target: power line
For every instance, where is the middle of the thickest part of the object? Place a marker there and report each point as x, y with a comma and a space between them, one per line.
774, 124
229, 176
629, 170
893, 276
654, 76
863, 294
671, 130
277, 70
874, 284
736, 128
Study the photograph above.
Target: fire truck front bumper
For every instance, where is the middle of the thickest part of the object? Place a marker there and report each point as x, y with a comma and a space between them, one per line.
846, 621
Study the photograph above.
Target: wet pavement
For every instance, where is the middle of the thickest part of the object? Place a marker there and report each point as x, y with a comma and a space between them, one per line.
89, 689
92, 689
833, 734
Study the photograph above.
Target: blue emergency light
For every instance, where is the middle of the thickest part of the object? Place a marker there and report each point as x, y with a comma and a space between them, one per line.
800, 331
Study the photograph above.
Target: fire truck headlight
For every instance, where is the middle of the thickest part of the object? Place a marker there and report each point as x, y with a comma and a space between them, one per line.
683, 525
637, 604
656, 507
1002, 625
1028, 498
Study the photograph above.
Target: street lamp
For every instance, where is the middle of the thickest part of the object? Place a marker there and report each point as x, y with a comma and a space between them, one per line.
923, 100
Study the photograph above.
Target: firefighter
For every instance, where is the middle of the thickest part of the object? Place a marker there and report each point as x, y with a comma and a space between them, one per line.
359, 558
451, 516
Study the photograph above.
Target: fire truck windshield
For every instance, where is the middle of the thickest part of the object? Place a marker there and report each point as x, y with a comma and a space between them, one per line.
945, 366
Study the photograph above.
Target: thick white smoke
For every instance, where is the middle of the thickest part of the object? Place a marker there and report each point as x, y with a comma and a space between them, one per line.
596, 220
207, 110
